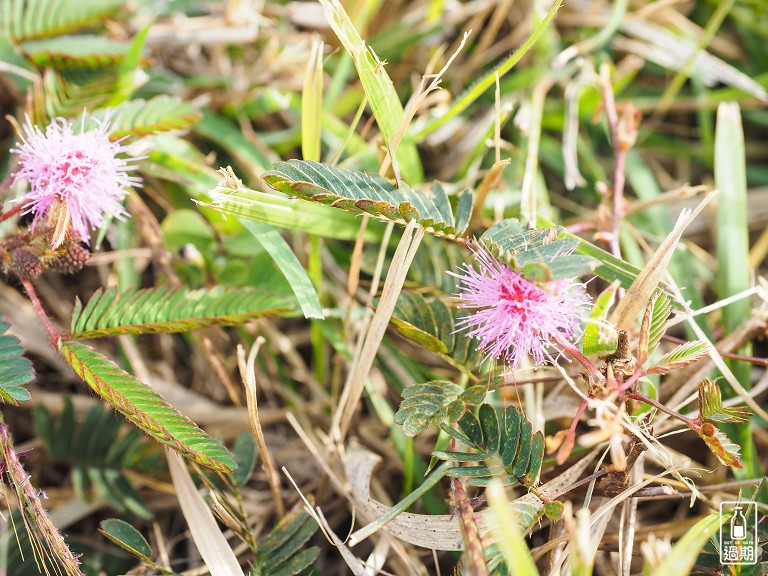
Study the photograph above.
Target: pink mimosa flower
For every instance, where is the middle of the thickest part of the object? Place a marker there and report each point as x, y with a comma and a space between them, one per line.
512, 316
78, 179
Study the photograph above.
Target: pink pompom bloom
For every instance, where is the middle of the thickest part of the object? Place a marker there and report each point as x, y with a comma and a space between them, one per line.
512, 316
75, 179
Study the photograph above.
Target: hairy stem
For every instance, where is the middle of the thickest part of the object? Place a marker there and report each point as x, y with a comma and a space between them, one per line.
53, 335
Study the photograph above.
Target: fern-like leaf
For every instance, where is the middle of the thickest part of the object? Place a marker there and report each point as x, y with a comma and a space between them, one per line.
722, 447
155, 310
680, 356
25, 20
432, 325
508, 447
100, 449
141, 117
711, 405
541, 254
428, 404
15, 370
361, 193
145, 408
76, 52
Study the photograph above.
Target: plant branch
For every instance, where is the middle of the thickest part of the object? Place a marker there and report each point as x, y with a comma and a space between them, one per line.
53, 335
659, 406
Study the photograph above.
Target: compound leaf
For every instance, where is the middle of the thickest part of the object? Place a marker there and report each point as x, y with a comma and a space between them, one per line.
680, 356
145, 408
155, 310
362, 193
15, 370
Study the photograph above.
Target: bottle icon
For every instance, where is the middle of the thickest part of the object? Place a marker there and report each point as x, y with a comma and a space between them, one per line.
738, 524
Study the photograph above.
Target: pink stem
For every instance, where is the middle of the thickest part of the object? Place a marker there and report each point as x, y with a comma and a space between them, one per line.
579, 357
53, 335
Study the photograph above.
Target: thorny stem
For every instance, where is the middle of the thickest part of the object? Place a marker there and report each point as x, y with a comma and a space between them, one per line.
53, 334
659, 406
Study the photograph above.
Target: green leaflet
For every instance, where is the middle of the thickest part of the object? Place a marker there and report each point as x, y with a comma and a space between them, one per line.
155, 310
507, 447
362, 193
76, 52
23, 20
542, 254
141, 117
145, 408
428, 404
15, 370
432, 325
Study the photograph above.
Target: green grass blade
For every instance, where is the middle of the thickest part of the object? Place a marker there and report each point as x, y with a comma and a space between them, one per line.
463, 102
683, 555
379, 88
289, 265
732, 249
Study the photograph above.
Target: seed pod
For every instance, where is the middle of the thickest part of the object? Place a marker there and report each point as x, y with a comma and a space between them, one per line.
26, 264
72, 259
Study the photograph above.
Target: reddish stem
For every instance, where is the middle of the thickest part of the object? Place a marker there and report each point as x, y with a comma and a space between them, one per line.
579, 357
53, 335
620, 151
659, 406
13, 211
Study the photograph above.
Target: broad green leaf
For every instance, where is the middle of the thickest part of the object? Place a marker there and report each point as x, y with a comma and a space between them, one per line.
597, 338
76, 52
680, 356
292, 214
127, 537
145, 408
15, 370
142, 117
156, 310
379, 89
24, 20
362, 193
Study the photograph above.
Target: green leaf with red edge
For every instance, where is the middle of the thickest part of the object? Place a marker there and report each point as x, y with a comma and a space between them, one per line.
140, 117
155, 310
711, 405
722, 446
145, 408
682, 355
